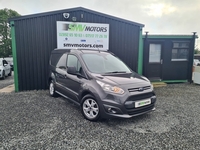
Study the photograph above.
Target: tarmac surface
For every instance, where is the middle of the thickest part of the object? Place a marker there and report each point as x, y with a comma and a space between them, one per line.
7, 85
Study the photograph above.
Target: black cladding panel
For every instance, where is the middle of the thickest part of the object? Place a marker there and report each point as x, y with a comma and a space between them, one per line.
36, 37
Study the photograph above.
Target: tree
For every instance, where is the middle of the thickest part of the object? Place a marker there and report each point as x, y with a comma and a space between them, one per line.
5, 36
196, 51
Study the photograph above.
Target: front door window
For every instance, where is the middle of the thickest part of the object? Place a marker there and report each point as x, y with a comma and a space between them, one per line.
154, 53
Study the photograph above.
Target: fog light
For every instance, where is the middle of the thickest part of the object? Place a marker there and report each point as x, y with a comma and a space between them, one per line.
111, 110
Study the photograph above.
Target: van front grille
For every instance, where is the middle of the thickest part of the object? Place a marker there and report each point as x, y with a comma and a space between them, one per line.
140, 96
140, 110
139, 89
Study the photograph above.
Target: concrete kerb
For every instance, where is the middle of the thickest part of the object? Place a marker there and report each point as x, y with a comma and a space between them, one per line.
8, 89
158, 84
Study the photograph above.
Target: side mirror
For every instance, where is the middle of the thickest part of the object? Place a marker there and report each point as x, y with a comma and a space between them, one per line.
72, 70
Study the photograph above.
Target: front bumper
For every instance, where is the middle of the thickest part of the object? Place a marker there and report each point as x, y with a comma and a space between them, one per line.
124, 107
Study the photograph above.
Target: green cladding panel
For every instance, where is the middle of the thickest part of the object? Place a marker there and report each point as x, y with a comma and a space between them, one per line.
140, 53
14, 53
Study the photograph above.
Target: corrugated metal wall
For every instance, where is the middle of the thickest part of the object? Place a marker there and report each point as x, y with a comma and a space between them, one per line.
36, 38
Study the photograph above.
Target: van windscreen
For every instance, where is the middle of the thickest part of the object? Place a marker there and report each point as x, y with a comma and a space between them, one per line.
103, 63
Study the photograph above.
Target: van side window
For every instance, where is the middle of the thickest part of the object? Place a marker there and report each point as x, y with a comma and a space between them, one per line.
72, 61
62, 62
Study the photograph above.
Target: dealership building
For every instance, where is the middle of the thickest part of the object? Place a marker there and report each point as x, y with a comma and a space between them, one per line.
166, 58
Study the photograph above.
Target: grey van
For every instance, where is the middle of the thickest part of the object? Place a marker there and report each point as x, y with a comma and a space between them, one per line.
100, 83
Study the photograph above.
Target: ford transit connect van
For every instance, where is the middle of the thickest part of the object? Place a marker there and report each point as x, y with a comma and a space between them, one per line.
100, 83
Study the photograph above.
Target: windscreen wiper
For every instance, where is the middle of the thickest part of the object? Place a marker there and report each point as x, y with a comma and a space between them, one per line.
115, 72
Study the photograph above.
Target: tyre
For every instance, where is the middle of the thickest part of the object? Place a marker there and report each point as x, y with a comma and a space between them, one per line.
52, 89
90, 108
3, 75
10, 74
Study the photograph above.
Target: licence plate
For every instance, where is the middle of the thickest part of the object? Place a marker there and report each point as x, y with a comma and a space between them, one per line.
142, 103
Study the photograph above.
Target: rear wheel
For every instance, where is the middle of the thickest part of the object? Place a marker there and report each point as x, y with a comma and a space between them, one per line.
90, 108
52, 89
10, 74
3, 75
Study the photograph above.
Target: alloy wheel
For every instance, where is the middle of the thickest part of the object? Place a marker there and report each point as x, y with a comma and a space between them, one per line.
90, 109
51, 88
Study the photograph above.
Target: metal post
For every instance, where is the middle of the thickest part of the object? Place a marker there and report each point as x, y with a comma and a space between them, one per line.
191, 57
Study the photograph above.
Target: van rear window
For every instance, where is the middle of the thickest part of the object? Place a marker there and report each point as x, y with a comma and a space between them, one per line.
55, 58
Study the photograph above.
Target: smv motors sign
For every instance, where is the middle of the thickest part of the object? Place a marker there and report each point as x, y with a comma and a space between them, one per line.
82, 35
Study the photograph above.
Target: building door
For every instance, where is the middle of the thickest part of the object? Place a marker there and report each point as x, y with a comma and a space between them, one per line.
154, 61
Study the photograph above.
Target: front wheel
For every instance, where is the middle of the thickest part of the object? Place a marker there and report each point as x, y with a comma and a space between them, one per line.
90, 108
52, 89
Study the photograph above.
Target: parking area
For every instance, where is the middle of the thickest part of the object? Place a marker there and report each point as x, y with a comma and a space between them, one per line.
33, 120
9, 80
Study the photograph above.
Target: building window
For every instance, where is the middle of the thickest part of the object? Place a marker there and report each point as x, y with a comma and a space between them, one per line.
180, 51
154, 53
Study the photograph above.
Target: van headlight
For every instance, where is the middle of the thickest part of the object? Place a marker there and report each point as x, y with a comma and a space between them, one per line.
109, 88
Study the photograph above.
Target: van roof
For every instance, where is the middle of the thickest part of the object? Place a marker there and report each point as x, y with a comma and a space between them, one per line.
77, 50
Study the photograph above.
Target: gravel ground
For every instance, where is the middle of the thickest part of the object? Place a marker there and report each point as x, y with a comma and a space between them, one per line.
33, 120
7, 81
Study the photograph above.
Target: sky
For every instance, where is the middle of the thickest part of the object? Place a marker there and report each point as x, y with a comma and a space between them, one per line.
159, 16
